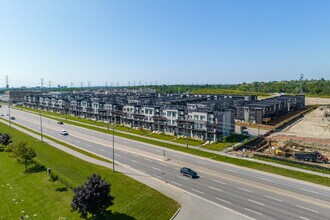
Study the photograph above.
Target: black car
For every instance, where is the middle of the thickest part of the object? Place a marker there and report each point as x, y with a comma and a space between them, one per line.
188, 172
60, 122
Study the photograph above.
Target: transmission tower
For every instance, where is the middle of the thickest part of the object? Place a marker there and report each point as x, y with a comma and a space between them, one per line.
49, 84
7, 83
42, 83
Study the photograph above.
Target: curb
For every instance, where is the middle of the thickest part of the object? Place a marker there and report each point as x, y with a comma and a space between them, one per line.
175, 214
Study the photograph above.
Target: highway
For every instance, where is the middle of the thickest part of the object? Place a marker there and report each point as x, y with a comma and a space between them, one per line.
255, 194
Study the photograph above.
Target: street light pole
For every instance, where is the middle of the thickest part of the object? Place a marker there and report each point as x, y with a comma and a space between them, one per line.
41, 135
113, 148
187, 134
9, 113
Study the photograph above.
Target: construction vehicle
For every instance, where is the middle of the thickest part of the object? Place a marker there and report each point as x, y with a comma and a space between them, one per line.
311, 157
285, 152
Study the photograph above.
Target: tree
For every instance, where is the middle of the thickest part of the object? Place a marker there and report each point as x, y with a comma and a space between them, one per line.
5, 139
93, 197
23, 153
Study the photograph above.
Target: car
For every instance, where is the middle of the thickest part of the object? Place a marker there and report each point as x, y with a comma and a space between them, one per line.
1, 114
185, 171
12, 118
60, 122
64, 132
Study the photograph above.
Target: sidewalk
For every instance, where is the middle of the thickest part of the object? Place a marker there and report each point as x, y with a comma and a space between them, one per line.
207, 150
192, 206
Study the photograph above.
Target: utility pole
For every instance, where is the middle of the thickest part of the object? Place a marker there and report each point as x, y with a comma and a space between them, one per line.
113, 148
187, 134
41, 135
7, 84
301, 82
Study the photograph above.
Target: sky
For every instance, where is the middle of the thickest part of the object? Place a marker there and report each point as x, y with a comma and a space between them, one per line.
82, 42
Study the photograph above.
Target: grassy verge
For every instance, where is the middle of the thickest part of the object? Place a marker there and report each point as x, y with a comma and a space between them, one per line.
62, 143
233, 139
294, 164
133, 199
254, 165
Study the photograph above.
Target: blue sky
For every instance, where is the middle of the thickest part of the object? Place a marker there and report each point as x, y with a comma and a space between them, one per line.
168, 41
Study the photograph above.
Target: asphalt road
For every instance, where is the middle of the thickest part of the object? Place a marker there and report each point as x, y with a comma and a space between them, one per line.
252, 193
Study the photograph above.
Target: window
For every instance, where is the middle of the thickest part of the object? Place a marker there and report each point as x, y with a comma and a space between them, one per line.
202, 117
195, 117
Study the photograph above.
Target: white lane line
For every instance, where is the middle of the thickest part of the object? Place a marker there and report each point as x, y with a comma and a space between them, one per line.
220, 190
304, 218
178, 156
222, 200
158, 177
134, 155
135, 161
101, 149
273, 198
230, 170
307, 190
147, 159
266, 179
155, 168
201, 176
217, 181
244, 189
78, 141
176, 183
163, 164
202, 163
302, 207
117, 155
181, 177
195, 190
253, 211
141, 170
259, 203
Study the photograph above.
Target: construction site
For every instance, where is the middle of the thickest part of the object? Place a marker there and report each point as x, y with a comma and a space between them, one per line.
307, 140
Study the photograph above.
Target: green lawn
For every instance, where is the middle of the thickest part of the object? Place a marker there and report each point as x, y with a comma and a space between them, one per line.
231, 140
133, 199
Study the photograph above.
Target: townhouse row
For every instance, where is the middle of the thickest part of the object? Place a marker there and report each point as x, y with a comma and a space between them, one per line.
205, 117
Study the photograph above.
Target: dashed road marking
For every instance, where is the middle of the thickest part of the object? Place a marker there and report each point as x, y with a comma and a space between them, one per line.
195, 190
266, 179
155, 168
176, 183
307, 190
273, 198
302, 207
222, 200
253, 211
220, 190
259, 203
217, 181
135, 161
246, 190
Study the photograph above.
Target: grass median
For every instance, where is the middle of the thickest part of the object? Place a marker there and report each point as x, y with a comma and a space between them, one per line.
134, 200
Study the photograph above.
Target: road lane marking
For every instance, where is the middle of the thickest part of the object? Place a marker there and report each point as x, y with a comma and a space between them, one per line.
230, 170
222, 200
101, 149
307, 190
182, 177
202, 163
253, 211
220, 190
147, 159
176, 183
217, 181
135, 161
259, 203
134, 155
273, 198
163, 164
117, 155
141, 170
304, 218
195, 190
302, 207
158, 177
178, 156
266, 179
155, 168
244, 189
